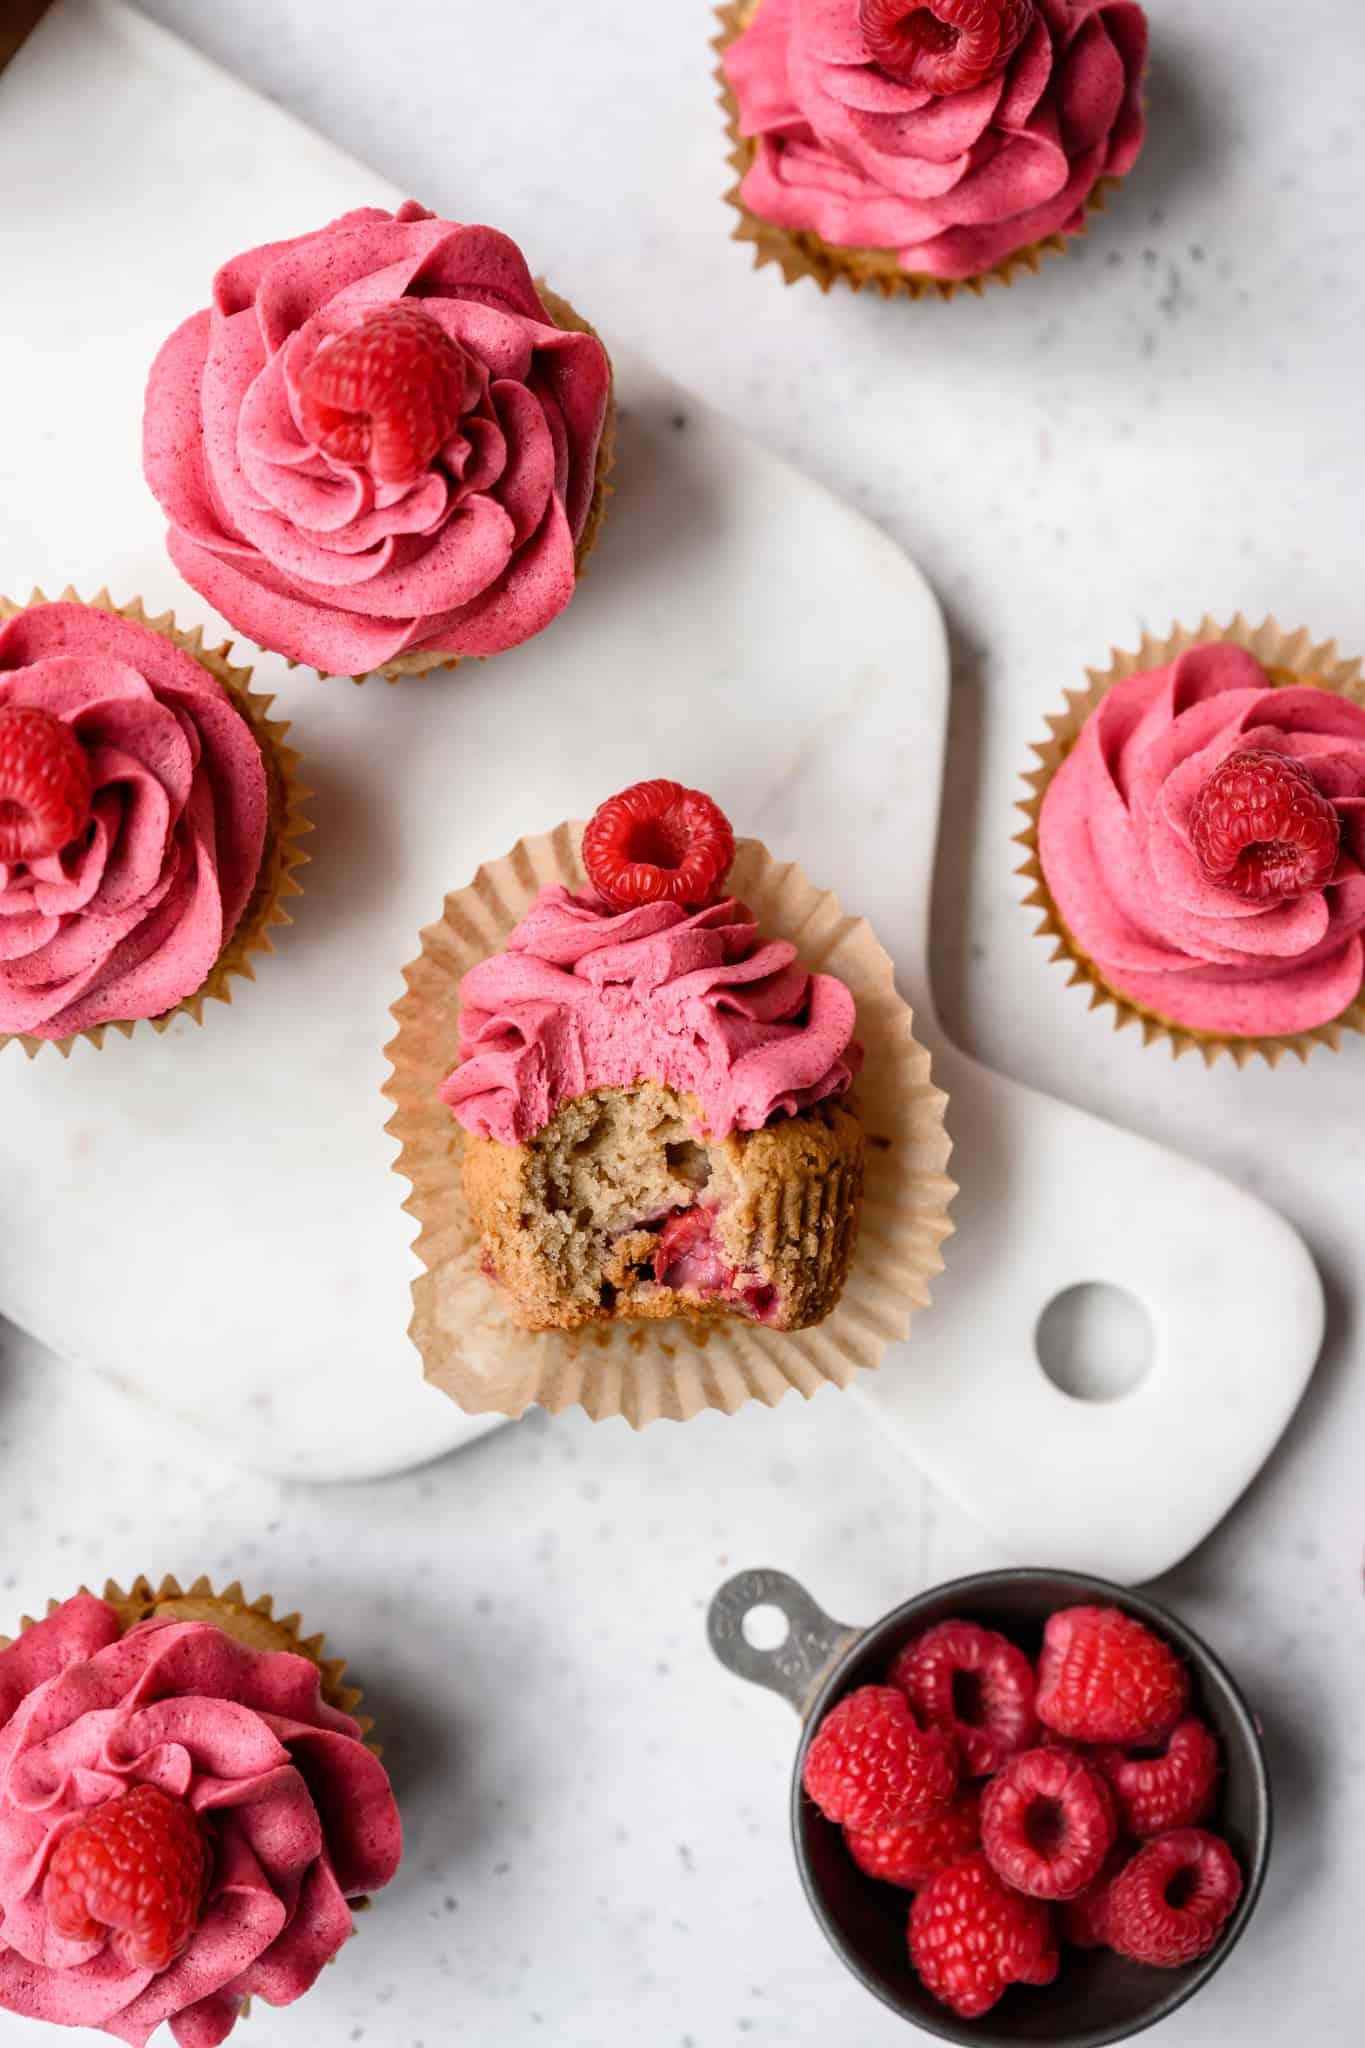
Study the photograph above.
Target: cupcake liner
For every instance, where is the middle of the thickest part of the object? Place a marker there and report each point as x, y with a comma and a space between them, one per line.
1288, 658
645, 1371
425, 663
800, 253
286, 823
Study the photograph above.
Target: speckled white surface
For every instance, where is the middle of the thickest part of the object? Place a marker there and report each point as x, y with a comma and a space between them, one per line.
1166, 422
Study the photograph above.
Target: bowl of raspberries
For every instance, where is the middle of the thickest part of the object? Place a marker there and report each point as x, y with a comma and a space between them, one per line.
1027, 1806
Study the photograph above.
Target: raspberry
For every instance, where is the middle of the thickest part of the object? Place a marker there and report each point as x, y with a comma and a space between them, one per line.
974, 1683
658, 843
45, 785
385, 396
134, 1869
1168, 1906
1085, 1919
1261, 827
971, 1937
1103, 1677
945, 46
1170, 1789
1047, 1823
872, 1766
909, 1855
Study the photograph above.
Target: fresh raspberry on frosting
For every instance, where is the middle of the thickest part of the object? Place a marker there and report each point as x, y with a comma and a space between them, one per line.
1261, 827
332, 563
387, 395
295, 1812
127, 918
1117, 848
44, 784
658, 843
133, 1872
945, 46
953, 176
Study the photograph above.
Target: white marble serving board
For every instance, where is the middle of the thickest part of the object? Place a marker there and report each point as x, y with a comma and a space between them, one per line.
210, 1216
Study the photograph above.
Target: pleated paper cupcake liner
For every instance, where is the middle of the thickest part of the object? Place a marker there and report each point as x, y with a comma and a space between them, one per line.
286, 823
1288, 658
798, 252
676, 1369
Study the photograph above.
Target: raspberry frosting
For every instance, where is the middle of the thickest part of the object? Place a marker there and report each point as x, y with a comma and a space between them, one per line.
952, 183
1114, 843
301, 1814
585, 997
311, 556
129, 919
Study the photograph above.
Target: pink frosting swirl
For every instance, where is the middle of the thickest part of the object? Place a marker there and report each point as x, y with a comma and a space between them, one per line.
586, 997
953, 183
299, 1813
1114, 842
129, 918
311, 556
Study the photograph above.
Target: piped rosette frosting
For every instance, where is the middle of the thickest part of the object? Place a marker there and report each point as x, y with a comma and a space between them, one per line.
1119, 848
128, 917
297, 1815
588, 997
332, 558
953, 182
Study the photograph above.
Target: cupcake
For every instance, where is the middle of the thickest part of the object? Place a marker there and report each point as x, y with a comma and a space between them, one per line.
382, 447
920, 148
147, 820
1198, 840
189, 1813
626, 1096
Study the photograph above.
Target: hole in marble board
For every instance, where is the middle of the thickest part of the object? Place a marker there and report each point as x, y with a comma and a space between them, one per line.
1095, 1342
765, 1628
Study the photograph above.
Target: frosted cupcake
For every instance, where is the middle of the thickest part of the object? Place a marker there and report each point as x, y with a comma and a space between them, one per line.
188, 1813
1199, 841
147, 820
921, 148
382, 447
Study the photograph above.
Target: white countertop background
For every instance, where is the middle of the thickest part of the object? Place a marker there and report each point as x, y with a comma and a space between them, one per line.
1166, 422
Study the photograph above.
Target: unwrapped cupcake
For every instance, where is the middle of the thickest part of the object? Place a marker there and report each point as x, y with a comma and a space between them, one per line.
188, 1813
631, 1106
918, 148
382, 446
148, 820
1198, 840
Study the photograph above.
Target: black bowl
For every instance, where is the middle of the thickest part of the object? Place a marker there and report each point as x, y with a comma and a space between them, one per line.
1098, 1997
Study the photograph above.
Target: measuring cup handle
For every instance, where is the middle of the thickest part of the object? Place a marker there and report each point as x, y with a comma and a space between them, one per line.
800, 1662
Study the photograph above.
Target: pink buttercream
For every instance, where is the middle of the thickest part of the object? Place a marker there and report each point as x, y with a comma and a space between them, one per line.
952, 183
129, 919
1114, 843
300, 1815
586, 997
312, 557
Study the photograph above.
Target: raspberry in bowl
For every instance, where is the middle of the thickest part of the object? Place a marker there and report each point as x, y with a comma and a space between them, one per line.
649, 1083
1100, 1868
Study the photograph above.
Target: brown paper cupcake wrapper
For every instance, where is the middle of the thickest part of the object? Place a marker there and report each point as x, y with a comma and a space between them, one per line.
1288, 658
676, 1369
420, 663
285, 826
799, 253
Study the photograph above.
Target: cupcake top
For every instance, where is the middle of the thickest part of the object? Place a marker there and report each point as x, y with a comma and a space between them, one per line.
133, 815
1204, 844
250, 1807
952, 133
650, 973
377, 441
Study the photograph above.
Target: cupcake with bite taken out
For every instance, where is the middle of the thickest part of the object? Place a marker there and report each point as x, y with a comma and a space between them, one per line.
649, 1084
1197, 841
383, 446
148, 820
918, 149
189, 1813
